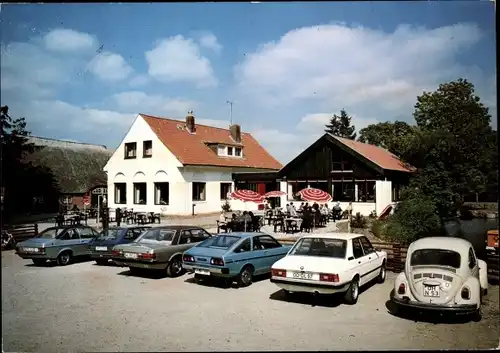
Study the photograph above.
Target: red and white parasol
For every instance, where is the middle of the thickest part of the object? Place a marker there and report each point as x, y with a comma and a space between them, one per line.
314, 195
275, 193
247, 196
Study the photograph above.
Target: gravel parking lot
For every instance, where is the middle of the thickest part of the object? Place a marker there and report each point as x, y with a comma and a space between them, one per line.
84, 307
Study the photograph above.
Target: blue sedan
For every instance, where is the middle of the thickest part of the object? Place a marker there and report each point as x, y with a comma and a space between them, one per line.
101, 247
237, 256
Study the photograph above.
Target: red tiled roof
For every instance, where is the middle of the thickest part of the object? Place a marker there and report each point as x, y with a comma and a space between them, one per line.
191, 149
378, 155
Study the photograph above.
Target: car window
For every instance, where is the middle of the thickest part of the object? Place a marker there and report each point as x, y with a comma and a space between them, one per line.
472, 259
152, 235
357, 250
268, 242
256, 244
199, 235
220, 241
50, 233
322, 247
133, 234
185, 237
440, 257
367, 246
243, 247
65, 235
85, 233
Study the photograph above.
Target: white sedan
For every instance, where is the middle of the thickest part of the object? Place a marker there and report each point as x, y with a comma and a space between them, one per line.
330, 263
441, 274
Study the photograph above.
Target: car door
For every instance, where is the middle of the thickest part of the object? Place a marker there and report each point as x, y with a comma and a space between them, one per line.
131, 235
71, 239
372, 262
272, 250
185, 241
259, 255
241, 255
86, 235
360, 261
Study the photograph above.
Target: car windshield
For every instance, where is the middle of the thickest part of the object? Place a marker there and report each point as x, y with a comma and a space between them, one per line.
322, 247
110, 234
163, 236
220, 241
50, 233
440, 257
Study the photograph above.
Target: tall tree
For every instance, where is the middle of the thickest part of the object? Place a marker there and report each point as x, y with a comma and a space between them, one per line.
449, 148
393, 136
341, 126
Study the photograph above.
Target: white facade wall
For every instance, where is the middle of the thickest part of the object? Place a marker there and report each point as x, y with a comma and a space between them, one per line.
383, 194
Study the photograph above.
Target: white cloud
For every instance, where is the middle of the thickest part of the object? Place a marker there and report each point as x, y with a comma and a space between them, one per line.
140, 102
209, 40
68, 40
139, 80
178, 59
110, 67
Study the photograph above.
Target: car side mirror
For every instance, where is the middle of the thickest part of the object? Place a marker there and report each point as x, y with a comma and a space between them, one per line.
350, 258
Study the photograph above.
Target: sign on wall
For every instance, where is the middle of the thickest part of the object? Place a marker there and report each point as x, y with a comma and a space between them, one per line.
100, 191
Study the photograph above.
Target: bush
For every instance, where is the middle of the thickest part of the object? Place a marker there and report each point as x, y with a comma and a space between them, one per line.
373, 214
377, 228
359, 221
226, 207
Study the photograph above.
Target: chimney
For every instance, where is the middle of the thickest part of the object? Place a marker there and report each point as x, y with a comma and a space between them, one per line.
191, 127
235, 131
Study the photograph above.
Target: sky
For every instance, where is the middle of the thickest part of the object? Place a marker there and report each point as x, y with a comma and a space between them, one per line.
83, 72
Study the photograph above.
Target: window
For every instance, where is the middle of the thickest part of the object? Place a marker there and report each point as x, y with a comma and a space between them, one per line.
133, 234
438, 257
140, 193
66, 199
185, 237
199, 191
221, 150
120, 193
472, 259
335, 248
225, 189
247, 186
357, 250
268, 242
244, 247
147, 149
199, 235
367, 246
229, 151
256, 244
86, 233
130, 150
157, 235
221, 241
162, 193
237, 151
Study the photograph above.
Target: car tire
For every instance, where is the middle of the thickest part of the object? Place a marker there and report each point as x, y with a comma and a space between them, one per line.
476, 317
39, 262
101, 262
382, 274
246, 276
64, 258
352, 294
174, 267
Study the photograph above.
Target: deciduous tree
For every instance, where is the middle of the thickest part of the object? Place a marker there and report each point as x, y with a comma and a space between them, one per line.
393, 136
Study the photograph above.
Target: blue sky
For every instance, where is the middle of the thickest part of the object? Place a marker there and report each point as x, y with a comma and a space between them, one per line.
286, 66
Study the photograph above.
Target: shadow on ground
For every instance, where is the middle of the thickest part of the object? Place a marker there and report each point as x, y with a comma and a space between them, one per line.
75, 260
221, 283
427, 317
143, 273
324, 300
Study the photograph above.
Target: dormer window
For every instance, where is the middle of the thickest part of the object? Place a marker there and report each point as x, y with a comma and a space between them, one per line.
229, 151
237, 151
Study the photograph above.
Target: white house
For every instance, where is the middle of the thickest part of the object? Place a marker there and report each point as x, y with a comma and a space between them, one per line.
177, 168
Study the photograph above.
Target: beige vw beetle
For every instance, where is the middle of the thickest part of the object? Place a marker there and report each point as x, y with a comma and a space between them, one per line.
442, 274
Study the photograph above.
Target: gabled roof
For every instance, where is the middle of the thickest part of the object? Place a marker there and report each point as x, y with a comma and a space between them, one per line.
378, 155
192, 149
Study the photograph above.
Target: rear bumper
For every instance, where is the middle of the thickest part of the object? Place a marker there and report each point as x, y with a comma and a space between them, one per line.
213, 271
139, 264
294, 285
450, 308
100, 255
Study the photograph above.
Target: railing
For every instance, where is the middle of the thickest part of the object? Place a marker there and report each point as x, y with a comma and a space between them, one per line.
23, 232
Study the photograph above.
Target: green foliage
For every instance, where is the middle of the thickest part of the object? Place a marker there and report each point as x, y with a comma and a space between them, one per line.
414, 218
226, 206
394, 137
341, 126
377, 228
373, 214
359, 221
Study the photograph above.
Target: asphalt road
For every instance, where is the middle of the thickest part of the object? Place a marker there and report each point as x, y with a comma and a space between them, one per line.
85, 307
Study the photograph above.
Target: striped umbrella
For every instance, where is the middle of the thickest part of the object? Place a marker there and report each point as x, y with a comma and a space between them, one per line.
314, 195
275, 193
247, 196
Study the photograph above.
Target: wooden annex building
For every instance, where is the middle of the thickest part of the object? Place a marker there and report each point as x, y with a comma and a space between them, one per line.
368, 176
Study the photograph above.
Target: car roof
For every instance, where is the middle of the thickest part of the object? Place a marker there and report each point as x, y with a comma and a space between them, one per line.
128, 227
243, 235
343, 236
177, 227
452, 243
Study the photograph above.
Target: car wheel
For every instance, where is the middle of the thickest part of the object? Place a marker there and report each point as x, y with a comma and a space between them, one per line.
174, 268
64, 258
351, 296
39, 262
245, 278
101, 262
382, 274
476, 317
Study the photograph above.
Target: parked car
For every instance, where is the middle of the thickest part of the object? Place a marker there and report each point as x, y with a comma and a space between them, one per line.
159, 248
100, 248
441, 274
60, 244
330, 263
237, 256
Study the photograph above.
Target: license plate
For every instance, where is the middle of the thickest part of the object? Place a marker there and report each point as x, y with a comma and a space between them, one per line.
130, 255
101, 248
431, 291
202, 272
302, 275
30, 249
